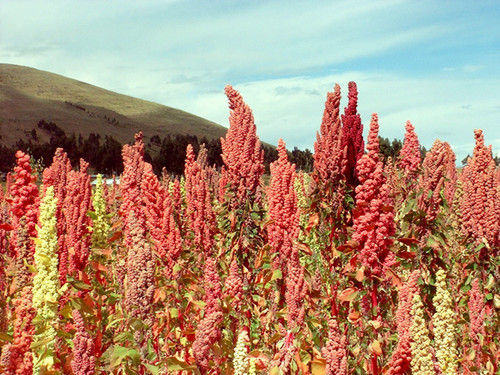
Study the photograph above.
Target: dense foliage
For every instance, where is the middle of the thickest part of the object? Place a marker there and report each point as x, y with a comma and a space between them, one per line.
365, 265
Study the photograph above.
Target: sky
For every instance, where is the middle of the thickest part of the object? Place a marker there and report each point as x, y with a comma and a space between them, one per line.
435, 63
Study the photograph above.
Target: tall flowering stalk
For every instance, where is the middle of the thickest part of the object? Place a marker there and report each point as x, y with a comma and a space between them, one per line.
240, 359
24, 216
295, 291
401, 358
57, 177
373, 222
46, 284
16, 358
328, 149
25, 200
352, 137
208, 331
409, 156
374, 217
421, 349
140, 285
83, 362
100, 223
201, 217
160, 221
335, 351
438, 177
479, 205
130, 183
77, 203
431, 181
241, 153
450, 183
444, 327
476, 314
283, 209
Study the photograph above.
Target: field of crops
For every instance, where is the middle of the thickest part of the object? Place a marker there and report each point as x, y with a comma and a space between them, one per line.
363, 266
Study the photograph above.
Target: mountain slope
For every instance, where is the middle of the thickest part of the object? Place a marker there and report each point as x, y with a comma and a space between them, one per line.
28, 95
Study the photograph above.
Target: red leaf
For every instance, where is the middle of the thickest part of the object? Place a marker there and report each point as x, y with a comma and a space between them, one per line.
348, 247
396, 281
6, 226
354, 316
313, 221
406, 254
305, 248
408, 240
348, 295
99, 251
159, 295
115, 236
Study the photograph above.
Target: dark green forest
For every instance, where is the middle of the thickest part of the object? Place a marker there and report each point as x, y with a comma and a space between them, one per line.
104, 152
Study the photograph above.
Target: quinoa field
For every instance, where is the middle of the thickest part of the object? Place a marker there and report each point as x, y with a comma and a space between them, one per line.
363, 266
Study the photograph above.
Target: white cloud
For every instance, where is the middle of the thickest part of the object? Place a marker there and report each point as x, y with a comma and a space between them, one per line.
292, 110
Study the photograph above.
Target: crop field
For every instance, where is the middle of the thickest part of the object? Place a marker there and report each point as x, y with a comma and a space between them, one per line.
363, 266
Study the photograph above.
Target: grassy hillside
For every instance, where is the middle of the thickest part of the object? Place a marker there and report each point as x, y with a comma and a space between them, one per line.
28, 95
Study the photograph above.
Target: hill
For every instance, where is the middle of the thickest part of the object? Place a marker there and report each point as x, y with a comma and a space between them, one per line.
29, 95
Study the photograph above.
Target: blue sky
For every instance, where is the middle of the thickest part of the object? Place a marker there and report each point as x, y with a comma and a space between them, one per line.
435, 63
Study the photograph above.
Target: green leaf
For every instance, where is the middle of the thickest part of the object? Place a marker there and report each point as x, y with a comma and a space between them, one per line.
137, 324
80, 285
80, 304
118, 355
277, 274
124, 336
155, 370
30, 267
200, 304
5, 337
135, 356
176, 364
112, 324
40, 343
44, 259
174, 312
92, 215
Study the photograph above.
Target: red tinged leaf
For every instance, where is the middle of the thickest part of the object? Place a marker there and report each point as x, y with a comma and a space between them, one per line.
305, 248
115, 236
354, 316
406, 254
232, 219
387, 208
105, 252
375, 348
261, 360
396, 281
408, 240
348, 247
348, 295
318, 366
6, 227
98, 266
301, 365
116, 225
360, 274
313, 221
159, 295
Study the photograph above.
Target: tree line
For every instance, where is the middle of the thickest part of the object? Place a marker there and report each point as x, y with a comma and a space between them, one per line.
103, 152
